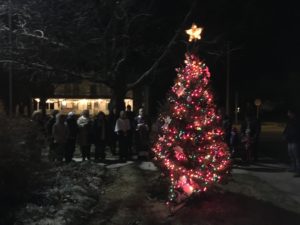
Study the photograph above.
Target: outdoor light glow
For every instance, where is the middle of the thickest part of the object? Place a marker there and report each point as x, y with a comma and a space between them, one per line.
194, 33
83, 101
49, 101
76, 105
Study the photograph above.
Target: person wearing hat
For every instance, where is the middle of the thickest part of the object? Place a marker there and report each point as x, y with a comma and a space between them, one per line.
122, 127
84, 134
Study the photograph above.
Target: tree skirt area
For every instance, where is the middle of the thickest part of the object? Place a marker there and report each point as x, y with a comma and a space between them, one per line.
135, 193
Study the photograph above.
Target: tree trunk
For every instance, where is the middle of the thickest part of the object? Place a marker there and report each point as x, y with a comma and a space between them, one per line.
44, 90
117, 100
43, 105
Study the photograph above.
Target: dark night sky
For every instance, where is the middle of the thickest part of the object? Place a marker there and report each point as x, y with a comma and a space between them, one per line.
266, 33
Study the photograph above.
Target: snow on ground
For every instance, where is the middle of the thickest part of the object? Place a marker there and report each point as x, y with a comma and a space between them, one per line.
275, 176
69, 194
138, 196
108, 193
148, 166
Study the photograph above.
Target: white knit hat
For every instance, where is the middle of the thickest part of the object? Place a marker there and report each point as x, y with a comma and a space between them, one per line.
71, 114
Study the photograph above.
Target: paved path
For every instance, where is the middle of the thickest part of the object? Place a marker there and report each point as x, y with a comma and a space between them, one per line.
267, 171
275, 175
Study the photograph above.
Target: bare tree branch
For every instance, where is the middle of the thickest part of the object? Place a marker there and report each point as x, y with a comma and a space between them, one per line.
44, 38
119, 63
163, 55
33, 35
49, 68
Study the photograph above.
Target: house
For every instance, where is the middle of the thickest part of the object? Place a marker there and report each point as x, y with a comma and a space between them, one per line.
77, 97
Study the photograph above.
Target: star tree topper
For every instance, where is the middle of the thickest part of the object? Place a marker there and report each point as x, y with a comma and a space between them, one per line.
194, 33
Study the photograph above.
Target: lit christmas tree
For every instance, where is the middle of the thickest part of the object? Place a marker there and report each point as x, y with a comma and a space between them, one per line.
189, 147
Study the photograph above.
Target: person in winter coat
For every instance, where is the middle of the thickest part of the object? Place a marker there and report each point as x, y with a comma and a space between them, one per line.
112, 136
291, 134
250, 132
48, 127
142, 132
84, 134
130, 116
234, 141
226, 124
60, 134
72, 134
122, 127
100, 131
40, 136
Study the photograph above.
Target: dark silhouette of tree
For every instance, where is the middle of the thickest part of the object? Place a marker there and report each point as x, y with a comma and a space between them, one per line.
102, 41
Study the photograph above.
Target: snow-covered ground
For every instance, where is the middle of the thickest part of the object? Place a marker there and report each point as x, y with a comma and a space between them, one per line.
133, 193
70, 192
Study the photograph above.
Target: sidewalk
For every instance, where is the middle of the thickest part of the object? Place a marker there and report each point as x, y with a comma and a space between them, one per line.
286, 187
266, 180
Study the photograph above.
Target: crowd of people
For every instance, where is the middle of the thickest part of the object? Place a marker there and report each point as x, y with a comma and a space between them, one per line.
128, 134
242, 142
124, 134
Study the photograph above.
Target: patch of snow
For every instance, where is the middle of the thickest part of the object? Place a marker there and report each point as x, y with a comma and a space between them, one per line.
117, 165
77, 159
72, 191
239, 171
112, 158
148, 166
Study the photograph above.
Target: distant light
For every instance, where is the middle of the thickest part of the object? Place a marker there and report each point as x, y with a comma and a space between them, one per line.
83, 101
257, 102
49, 101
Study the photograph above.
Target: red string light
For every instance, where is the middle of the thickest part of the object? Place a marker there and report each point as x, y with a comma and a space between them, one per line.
190, 147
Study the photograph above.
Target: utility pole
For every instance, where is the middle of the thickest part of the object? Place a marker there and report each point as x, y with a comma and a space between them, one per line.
10, 78
236, 107
227, 78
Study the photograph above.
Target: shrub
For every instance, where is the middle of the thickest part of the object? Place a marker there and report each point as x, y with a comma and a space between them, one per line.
21, 142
